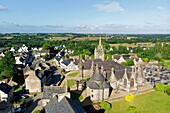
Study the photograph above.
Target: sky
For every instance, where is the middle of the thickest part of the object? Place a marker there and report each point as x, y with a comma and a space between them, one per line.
85, 16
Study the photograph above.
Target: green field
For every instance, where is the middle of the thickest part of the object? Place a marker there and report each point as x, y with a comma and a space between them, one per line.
57, 38
73, 74
153, 102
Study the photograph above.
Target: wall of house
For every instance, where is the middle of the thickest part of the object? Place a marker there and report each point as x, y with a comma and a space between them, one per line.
33, 84
94, 94
106, 93
113, 85
101, 95
3, 96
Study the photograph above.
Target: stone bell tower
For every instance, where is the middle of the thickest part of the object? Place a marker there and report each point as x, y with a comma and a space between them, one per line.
99, 51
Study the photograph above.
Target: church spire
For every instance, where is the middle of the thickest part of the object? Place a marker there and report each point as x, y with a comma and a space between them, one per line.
100, 41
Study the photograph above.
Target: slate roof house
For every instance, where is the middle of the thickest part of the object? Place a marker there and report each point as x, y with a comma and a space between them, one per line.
65, 105
69, 65
50, 91
118, 58
36, 76
6, 92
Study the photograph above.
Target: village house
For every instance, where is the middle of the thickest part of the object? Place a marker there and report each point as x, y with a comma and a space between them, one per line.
58, 60
21, 59
63, 105
69, 65
36, 76
23, 49
50, 91
118, 58
1, 55
12, 49
6, 92
122, 58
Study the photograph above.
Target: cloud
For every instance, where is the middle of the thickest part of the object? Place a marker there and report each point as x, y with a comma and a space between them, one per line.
160, 8
2, 8
163, 13
7, 27
109, 7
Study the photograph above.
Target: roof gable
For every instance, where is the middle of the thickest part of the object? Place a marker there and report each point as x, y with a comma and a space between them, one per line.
66, 105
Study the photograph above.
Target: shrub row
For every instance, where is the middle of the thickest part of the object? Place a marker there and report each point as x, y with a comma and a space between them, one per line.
162, 88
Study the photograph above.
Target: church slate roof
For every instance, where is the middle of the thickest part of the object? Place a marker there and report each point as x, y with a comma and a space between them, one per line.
66, 105
98, 76
49, 90
94, 85
107, 65
106, 85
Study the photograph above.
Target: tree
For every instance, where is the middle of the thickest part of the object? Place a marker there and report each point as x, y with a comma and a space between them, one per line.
45, 46
45, 57
7, 66
132, 109
37, 111
167, 90
128, 62
105, 105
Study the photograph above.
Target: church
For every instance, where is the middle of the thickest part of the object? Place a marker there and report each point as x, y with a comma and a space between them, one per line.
107, 75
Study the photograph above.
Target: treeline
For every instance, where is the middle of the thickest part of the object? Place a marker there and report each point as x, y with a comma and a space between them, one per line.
159, 52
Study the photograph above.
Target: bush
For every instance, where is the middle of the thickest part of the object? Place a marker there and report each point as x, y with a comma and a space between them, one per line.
81, 97
37, 111
145, 59
105, 105
129, 97
22, 102
128, 63
167, 90
160, 87
132, 109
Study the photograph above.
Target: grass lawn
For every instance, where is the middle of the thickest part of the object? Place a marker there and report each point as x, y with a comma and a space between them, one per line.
73, 74
167, 63
71, 83
19, 90
153, 102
